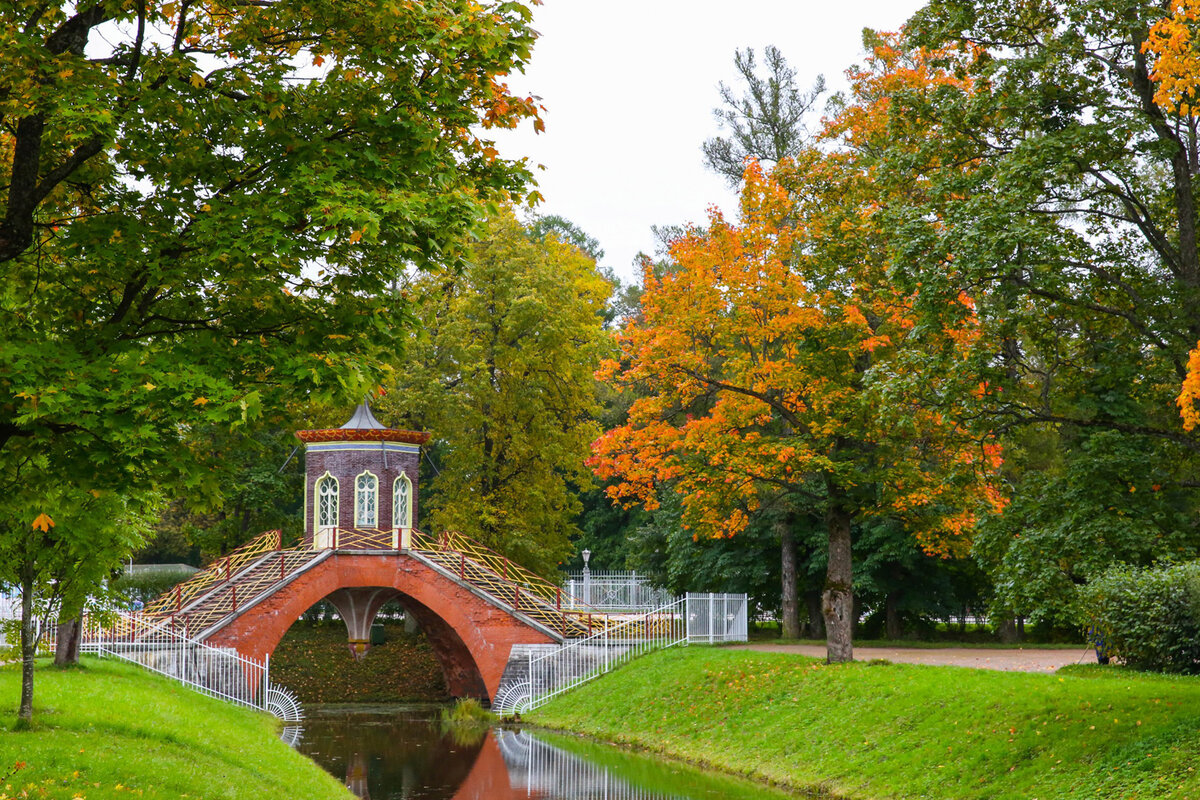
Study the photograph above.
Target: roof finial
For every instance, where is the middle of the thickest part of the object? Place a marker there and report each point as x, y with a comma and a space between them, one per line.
363, 419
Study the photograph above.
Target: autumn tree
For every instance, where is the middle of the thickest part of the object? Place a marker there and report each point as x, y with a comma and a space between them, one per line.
500, 372
775, 362
203, 204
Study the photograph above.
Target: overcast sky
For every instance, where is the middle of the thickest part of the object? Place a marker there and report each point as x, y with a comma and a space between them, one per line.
629, 87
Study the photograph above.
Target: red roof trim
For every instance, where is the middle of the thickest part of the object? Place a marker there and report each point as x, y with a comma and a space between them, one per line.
363, 435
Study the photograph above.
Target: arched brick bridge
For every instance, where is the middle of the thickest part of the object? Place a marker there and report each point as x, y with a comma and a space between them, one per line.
473, 604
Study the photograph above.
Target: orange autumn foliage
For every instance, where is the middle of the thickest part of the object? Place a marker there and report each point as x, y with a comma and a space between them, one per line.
1189, 395
775, 356
765, 366
1174, 43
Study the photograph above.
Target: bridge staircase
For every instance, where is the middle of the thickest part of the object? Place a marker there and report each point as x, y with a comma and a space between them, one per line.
213, 597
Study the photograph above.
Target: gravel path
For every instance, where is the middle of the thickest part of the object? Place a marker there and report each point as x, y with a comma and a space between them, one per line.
1015, 660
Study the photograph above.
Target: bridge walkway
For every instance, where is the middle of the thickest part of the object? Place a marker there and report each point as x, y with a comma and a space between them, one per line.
229, 586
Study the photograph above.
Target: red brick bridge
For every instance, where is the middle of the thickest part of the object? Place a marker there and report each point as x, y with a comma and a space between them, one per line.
473, 604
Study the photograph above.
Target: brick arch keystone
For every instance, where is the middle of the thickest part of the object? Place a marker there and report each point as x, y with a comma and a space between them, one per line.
471, 637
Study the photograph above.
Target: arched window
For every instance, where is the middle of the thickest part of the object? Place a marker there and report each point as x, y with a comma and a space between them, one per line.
366, 501
402, 502
327, 501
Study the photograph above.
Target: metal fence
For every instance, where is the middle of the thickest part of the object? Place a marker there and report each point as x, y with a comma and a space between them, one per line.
694, 618
615, 591
714, 618
219, 672
10, 603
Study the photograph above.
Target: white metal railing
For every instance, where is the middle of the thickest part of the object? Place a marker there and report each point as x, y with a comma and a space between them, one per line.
695, 618
615, 591
219, 672
10, 603
714, 618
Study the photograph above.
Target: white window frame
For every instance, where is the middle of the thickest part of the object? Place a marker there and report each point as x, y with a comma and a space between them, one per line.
399, 522
322, 536
360, 519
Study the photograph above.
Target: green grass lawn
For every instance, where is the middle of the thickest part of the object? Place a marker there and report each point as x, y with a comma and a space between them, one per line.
897, 730
112, 730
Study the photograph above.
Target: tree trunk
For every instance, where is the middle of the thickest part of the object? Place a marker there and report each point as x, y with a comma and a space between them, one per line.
66, 652
28, 648
816, 622
893, 625
837, 602
1008, 631
791, 610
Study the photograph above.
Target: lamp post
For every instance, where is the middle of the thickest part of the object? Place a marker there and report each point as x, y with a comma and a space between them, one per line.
587, 577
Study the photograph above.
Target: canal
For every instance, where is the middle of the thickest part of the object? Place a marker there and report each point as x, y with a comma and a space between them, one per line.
394, 752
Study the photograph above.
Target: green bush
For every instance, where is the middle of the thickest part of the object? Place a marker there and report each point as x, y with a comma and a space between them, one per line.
1149, 618
148, 586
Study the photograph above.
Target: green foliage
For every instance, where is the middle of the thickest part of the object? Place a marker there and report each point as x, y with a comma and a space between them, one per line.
467, 711
767, 123
110, 731
1148, 618
314, 661
501, 374
201, 224
1095, 503
900, 730
259, 489
1075, 231
147, 586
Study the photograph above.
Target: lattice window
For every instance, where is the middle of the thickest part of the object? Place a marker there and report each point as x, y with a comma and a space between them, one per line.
366, 501
327, 501
402, 502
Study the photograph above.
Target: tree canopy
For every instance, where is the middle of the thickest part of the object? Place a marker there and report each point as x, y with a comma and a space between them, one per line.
500, 372
204, 204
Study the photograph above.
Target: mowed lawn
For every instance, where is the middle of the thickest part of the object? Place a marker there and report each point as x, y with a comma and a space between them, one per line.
880, 730
112, 730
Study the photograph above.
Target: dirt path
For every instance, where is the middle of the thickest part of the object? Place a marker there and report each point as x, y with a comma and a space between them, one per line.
1015, 660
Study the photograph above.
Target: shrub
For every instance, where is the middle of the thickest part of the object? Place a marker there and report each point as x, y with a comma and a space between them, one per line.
149, 585
1149, 618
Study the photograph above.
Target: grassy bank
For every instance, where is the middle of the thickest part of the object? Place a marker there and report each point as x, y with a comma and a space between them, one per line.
111, 730
315, 663
878, 730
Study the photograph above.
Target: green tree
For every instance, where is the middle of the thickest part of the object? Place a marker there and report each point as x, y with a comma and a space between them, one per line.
501, 373
767, 122
1076, 232
204, 203
57, 562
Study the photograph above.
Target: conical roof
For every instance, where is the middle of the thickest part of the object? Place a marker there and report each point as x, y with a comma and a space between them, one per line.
364, 420
363, 427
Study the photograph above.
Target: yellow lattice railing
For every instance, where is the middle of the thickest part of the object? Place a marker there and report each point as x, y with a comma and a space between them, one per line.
357, 539
220, 570
508, 571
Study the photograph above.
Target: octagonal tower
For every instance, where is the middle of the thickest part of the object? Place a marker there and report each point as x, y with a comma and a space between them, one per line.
363, 476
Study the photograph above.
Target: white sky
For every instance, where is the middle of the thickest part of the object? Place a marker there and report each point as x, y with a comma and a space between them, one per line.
629, 87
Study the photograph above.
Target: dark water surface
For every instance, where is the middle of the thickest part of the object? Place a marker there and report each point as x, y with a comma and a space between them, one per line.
394, 752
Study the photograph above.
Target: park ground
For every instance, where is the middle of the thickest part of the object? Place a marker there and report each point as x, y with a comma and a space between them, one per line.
874, 729
106, 730
1007, 659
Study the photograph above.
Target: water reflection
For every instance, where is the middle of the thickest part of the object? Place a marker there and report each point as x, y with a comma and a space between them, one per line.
389, 753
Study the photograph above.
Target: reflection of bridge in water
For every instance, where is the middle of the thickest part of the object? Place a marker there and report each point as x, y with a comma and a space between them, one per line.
408, 753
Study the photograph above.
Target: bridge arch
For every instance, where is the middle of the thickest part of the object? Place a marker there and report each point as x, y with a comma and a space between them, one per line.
471, 636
